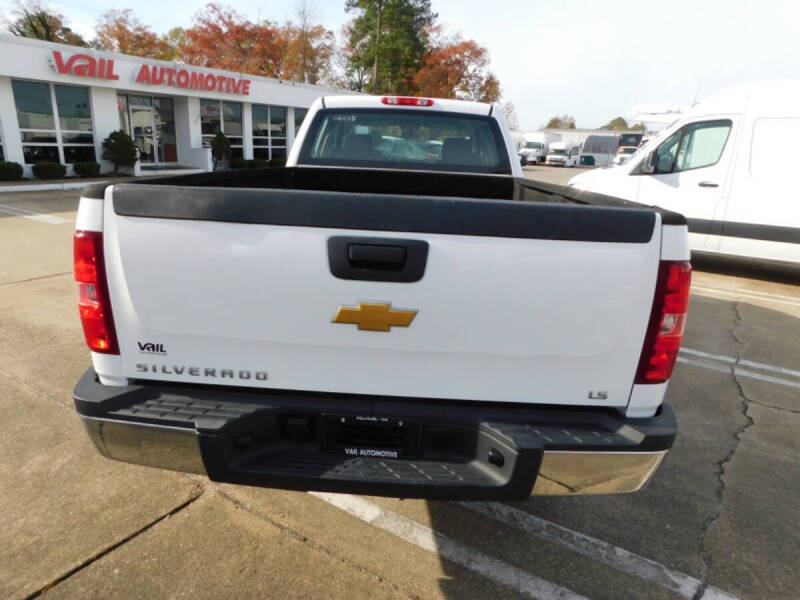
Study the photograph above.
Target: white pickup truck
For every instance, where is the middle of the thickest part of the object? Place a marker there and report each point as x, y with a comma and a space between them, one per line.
379, 320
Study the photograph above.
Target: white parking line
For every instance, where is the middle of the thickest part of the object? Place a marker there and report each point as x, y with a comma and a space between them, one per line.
29, 214
613, 556
746, 294
729, 364
426, 538
746, 363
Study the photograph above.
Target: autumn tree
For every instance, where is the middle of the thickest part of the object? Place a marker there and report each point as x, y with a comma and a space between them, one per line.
397, 47
309, 47
221, 38
37, 20
456, 68
175, 38
561, 122
121, 31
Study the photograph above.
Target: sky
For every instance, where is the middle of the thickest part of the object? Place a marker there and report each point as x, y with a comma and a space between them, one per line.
593, 59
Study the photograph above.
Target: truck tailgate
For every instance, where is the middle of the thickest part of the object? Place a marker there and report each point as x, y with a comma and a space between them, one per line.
532, 302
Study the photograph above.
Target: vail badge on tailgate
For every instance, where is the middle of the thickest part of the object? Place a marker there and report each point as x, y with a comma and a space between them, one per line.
151, 348
374, 316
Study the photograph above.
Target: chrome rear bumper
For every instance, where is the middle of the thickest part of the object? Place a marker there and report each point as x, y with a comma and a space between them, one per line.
465, 451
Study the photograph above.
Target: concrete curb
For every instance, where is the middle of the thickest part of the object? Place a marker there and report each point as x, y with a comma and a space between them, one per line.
45, 187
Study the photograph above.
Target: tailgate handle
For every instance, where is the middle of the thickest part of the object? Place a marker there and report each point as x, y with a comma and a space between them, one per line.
377, 259
373, 256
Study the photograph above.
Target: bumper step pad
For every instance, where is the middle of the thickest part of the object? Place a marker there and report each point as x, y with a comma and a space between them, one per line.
411, 448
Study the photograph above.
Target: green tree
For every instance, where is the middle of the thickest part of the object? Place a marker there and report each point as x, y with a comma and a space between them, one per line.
36, 20
119, 148
561, 122
220, 149
618, 124
398, 46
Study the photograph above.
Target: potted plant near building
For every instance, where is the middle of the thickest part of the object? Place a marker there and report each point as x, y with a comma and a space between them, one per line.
119, 149
220, 149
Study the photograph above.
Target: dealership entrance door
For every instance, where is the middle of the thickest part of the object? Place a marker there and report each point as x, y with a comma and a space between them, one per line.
150, 121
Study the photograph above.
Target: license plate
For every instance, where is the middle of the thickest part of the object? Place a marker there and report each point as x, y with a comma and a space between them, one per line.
368, 436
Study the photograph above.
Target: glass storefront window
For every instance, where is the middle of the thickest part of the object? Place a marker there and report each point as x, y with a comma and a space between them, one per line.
73, 154
34, 106
72, 104
299, 115
232, 119
269, 131
164, 116
225, 117
55, 122
124, 116
277, 121
209, 117
150, 121
260, 120
34, 154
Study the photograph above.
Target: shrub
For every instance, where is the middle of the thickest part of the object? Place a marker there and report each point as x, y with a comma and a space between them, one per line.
86, 169
277, 162
220, 149
10, 171
257, 163
239, 163
119, 148
49, 170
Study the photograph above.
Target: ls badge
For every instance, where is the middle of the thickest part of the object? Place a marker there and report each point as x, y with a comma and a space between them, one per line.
374, 316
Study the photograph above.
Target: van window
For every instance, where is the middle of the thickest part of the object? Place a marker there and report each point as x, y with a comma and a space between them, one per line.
769, 135
665, 154
694, 146
702, 144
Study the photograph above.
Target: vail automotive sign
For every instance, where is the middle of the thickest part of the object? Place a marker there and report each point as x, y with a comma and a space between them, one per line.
84, 65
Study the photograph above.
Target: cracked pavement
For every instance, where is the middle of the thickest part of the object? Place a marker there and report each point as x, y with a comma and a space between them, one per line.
722, 509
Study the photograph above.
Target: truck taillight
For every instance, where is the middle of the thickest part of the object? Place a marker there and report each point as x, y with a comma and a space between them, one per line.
667, 320
406, 101
94, 305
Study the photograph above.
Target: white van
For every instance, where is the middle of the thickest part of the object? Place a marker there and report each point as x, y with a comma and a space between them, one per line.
725, 166
563, 154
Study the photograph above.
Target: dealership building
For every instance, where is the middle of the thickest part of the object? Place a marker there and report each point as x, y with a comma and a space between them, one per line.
58, 103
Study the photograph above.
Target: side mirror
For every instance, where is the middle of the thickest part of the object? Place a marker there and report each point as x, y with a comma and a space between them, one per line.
648, 165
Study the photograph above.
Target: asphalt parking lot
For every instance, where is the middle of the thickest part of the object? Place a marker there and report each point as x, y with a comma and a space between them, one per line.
720, 519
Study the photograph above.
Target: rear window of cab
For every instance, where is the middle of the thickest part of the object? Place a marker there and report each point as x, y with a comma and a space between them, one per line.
405, 139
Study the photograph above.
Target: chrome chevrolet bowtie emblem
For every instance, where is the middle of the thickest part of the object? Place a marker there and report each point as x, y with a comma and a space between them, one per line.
374, 316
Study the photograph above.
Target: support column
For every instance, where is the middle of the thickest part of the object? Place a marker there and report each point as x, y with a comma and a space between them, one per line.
247, 130
9, 127
290, 132
105, 119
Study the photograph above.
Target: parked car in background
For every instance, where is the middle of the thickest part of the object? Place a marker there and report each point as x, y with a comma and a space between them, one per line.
623, 154
536, 146
563, 154
599, 150
719, 166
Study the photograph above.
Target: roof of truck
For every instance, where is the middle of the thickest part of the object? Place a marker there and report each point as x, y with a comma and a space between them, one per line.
443, 104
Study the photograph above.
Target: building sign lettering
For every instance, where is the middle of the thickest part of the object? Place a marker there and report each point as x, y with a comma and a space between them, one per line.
84, 65
192, 80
